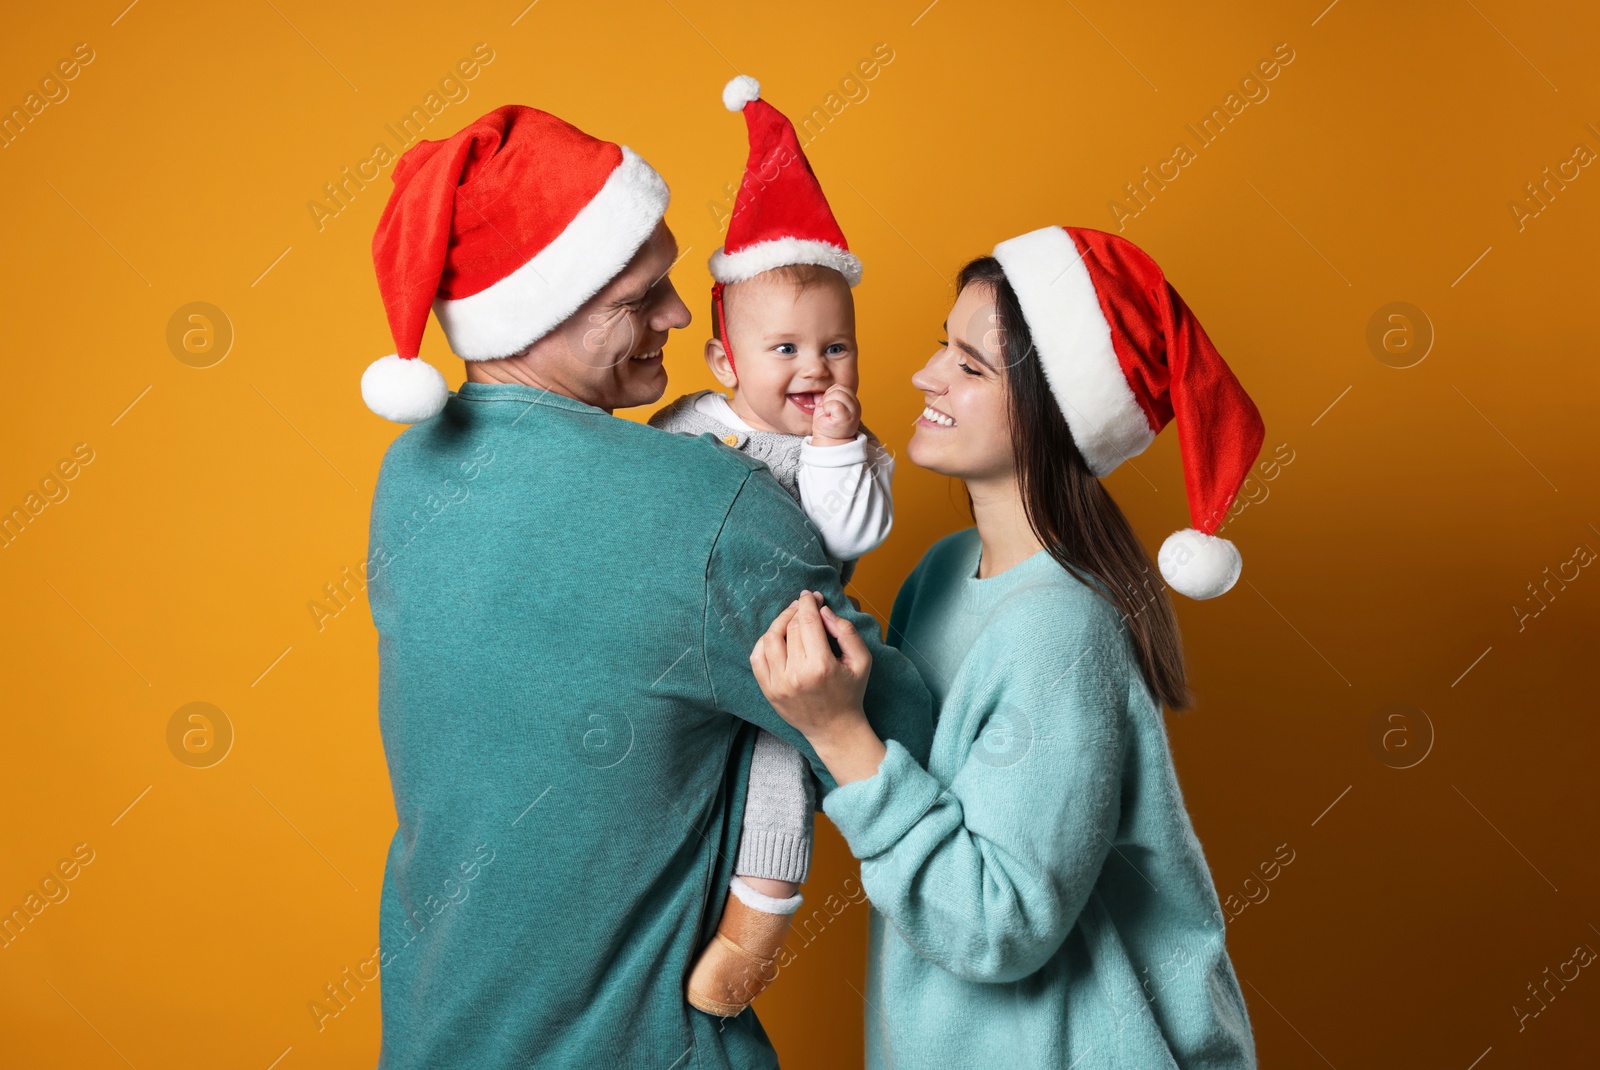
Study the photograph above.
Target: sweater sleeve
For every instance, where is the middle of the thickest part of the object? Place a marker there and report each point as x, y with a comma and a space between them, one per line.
765, 554
845, 491
987, 875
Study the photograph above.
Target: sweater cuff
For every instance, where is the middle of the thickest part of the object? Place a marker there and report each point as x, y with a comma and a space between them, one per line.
773, 855
873, 814
841, 456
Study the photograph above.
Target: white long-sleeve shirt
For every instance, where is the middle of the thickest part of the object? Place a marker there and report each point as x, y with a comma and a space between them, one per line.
844, 489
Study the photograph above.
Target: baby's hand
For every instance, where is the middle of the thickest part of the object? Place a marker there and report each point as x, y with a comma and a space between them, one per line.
837, 418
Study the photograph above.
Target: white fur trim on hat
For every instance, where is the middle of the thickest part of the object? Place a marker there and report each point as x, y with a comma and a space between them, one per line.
752, 260
759, 901
533, 300
740, 91
1199, 565
405, 391
1072, 336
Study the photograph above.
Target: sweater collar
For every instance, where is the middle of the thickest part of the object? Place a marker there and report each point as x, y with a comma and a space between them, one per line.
1040, 567
716, 406
474, 391
1000, 580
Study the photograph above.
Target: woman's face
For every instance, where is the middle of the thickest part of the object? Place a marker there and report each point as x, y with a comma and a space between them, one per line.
965, 431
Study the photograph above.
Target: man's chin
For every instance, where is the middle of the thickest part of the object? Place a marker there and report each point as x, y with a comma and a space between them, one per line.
645, 386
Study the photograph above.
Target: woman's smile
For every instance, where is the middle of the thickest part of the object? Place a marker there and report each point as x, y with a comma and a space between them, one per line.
963, 428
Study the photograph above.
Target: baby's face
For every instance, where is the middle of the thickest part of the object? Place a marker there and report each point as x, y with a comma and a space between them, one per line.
789, 346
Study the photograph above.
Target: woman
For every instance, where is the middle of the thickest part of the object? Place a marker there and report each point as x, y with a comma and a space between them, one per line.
1040, 897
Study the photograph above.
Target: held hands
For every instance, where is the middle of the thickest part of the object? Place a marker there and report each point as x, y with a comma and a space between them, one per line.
837, 418
813, 690
816, 692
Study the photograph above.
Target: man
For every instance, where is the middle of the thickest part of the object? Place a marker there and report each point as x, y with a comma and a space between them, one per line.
566, 605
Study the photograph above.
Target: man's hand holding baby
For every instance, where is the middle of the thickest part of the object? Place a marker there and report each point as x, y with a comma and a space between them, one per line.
837, 419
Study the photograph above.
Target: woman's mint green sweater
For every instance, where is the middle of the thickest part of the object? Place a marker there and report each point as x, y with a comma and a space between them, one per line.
1040, 898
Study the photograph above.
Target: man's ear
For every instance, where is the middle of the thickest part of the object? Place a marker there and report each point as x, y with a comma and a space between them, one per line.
721, 367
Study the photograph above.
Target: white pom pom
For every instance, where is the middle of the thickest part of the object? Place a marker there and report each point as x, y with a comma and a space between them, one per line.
405, 391
1199, 565
739, 92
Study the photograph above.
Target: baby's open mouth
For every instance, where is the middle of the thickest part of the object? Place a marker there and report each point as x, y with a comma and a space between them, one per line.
807, 401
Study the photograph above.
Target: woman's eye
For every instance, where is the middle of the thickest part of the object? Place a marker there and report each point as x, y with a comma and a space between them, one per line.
969, 369
942, 344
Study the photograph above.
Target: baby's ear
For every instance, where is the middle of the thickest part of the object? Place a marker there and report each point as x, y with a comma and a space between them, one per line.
721, 367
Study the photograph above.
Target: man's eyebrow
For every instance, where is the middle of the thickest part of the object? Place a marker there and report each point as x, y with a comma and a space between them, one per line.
654, 284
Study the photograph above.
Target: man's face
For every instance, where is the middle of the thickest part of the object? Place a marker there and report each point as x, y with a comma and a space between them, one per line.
609, 352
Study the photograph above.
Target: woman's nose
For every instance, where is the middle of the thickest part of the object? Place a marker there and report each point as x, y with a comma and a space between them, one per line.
926, 381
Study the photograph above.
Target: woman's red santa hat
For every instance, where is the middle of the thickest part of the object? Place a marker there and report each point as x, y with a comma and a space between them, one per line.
1124, 356
504, 230
780, 216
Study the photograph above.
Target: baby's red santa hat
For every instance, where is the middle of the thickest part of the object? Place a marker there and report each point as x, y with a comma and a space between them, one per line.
504, 230
780, 216
1124, 356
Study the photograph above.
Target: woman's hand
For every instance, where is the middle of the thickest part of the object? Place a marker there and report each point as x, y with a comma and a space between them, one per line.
815, 691
811, 688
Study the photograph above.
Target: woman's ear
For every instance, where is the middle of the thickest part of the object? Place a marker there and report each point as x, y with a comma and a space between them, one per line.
721, 367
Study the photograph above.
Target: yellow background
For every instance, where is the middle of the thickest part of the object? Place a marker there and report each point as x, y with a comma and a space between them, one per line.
1381, 566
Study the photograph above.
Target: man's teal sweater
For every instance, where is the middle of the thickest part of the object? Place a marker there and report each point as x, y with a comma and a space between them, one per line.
1039, 897
566, 603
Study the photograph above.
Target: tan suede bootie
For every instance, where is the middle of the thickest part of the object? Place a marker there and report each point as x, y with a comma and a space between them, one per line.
742, 958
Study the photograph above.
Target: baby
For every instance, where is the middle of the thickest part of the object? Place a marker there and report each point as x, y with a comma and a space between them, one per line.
793, 404
784, 344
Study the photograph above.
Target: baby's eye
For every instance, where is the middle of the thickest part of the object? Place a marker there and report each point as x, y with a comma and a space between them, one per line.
838, 349
786, 348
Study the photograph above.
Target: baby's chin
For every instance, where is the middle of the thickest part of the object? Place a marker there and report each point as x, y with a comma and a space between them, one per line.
789, 413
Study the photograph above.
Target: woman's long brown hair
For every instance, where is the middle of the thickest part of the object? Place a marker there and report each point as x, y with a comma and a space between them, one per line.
1071, 513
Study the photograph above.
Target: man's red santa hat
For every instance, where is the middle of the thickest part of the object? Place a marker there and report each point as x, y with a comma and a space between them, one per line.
1124, 356
504, 230
780, 217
